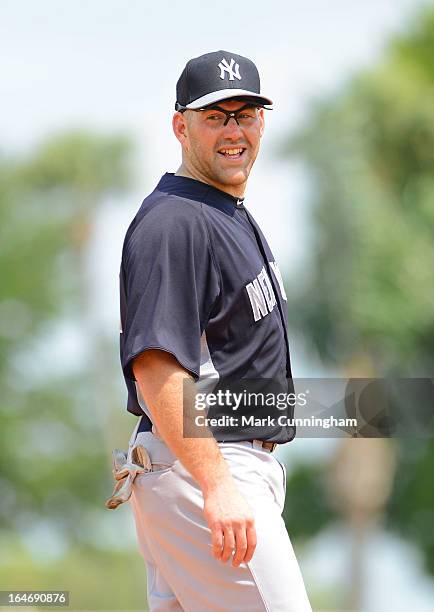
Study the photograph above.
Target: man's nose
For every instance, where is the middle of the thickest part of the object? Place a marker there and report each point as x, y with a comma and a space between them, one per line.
232, 128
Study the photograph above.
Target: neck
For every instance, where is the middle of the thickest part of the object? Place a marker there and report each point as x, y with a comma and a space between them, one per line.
234, 190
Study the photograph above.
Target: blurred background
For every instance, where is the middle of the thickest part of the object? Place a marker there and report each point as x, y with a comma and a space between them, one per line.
344, 191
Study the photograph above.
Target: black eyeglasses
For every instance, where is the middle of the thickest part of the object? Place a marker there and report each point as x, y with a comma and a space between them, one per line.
222, 116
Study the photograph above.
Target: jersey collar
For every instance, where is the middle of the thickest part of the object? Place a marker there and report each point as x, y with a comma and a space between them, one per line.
193, 189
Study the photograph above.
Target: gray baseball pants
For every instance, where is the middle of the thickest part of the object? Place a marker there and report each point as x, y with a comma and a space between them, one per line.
175, 541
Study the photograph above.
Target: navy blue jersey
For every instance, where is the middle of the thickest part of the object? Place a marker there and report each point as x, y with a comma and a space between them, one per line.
199, 281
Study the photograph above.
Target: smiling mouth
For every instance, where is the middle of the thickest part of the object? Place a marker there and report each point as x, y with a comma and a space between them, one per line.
234, 153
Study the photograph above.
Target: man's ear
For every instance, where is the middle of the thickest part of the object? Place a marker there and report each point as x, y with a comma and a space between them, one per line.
261, 121
179, 125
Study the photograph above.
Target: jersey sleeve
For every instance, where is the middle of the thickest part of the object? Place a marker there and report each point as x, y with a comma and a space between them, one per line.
169, 284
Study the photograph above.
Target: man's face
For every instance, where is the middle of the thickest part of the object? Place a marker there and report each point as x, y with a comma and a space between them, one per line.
220, 154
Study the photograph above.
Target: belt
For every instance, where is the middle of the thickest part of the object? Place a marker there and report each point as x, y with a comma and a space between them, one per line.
262, 444
145, 425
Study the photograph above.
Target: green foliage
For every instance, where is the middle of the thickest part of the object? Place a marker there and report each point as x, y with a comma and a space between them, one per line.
411, 506
369, 299
307, 510
87, 165
54, 459
370, 152
46, 204
95, 580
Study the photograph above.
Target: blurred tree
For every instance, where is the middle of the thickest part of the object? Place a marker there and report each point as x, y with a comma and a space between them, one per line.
369, 152
367, 304
51, 477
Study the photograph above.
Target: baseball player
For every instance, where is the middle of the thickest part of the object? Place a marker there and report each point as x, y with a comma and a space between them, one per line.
202, 298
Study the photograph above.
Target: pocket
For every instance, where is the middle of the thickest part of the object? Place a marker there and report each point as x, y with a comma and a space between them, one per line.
157, 469
153, 485
160, 467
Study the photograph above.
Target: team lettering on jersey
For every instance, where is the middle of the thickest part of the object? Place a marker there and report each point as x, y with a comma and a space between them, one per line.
261, 294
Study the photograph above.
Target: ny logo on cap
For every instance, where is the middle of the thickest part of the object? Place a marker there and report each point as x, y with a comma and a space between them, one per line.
225, 67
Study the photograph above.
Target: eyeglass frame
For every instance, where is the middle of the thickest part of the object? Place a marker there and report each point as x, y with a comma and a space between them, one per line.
229, 114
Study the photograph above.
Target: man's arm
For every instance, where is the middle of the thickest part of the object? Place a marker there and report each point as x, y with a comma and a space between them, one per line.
229, 517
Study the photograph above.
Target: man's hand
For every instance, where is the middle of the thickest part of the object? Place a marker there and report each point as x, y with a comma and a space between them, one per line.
229, 517
232, 525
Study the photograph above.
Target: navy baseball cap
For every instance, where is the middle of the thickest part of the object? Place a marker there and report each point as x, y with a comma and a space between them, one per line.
218, 76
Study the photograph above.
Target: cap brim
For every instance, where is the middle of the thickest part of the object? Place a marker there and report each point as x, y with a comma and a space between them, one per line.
225, 94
